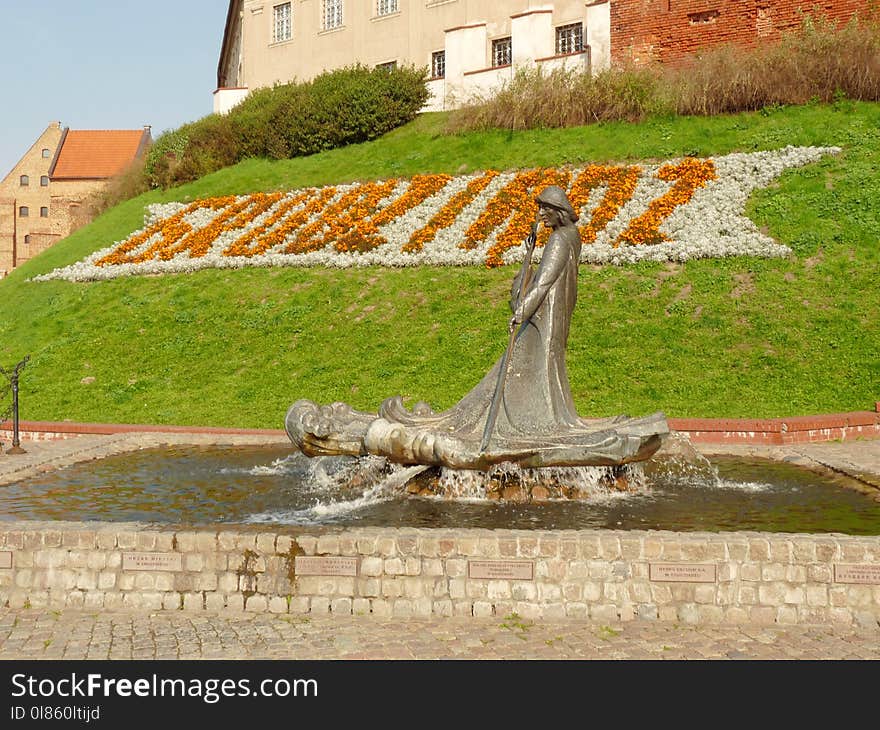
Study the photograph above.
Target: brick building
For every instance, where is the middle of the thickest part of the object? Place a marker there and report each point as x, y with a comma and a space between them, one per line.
665, 31
43, 198
473, 45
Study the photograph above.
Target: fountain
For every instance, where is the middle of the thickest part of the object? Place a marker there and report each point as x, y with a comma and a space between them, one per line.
403, 512
520, 414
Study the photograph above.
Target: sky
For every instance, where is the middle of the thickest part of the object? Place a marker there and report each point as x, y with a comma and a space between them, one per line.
105, 64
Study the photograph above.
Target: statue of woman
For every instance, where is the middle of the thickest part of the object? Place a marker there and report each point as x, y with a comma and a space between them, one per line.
536, 422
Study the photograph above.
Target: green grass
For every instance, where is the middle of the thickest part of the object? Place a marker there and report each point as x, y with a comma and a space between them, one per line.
731, 337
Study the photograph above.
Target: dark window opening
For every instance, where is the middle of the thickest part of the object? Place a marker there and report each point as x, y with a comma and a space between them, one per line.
707, 16
502, 52
570, 38
438, 64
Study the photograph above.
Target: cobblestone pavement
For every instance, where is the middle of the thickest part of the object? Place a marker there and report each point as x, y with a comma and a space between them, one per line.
69, 634
77, 635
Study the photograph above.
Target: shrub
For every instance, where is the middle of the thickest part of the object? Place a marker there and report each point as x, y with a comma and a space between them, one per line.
337, 108
128, 184
819, 61
560, 98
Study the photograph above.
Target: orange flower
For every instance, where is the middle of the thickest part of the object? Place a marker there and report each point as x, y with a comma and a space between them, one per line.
258, 241
351, 224
689, 174
364, 235
525, 210
339, 218
446, 216
621, 182
199, 241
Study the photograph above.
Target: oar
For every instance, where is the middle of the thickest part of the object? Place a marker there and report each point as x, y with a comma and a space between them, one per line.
525, 275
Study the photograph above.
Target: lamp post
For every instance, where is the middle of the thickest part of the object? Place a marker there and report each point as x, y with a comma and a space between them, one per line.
13, 381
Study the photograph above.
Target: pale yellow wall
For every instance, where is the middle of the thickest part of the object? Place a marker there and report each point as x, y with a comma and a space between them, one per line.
408, 37
7, 230
14, 228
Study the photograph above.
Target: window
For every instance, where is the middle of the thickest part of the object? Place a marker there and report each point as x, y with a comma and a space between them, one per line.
45, 154
386, 7
27, 237
281, 23
388, 66
24, 181
502, 52
438, 64
570, 38
23, 212
44, 181
708, 16
44, 212
332, 17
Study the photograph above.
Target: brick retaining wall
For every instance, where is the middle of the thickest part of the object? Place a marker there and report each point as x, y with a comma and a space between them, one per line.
603, 575
644, 31
762, 431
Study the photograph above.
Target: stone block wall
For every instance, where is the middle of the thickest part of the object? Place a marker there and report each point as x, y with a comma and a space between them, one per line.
644, 31
608, 576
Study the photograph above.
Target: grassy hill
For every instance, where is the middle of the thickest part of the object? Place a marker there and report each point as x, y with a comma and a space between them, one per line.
727, 337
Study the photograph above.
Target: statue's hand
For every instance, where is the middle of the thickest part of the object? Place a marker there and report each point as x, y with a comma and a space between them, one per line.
511, 326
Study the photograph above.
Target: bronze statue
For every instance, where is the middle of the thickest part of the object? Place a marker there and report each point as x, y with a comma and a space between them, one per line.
521, 411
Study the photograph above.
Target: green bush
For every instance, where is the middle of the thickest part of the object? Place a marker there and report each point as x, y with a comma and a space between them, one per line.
337, 108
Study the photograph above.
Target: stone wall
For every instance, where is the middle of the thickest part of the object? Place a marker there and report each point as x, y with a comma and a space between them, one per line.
695, 578
644, 31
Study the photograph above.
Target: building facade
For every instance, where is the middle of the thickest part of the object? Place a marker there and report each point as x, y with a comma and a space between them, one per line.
471, 46
44, 197
468, 45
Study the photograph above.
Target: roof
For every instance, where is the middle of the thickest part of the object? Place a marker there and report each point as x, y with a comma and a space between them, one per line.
97, 153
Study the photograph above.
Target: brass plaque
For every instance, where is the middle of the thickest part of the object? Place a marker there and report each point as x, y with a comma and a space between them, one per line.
501, 569
5, 559
682, 572
325, 565
857, 574
152, 561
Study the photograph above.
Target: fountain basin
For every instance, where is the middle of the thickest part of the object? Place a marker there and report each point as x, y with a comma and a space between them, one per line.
201, 486
688, 574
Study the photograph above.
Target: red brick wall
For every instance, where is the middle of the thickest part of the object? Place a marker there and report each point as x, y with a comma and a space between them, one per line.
667, 30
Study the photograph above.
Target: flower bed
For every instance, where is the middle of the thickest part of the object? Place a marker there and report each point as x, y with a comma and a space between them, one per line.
675, 211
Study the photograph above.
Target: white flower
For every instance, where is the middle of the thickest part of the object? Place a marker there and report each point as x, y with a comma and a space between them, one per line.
711, 224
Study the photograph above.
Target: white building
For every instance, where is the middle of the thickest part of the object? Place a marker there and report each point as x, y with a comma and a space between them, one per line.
467, 45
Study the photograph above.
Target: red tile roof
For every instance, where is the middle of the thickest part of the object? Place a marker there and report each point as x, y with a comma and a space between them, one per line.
97, 153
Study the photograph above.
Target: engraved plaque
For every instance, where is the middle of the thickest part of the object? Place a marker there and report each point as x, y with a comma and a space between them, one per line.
682, 572
857, 574
325, 565
152, 561
5, 559
501, 569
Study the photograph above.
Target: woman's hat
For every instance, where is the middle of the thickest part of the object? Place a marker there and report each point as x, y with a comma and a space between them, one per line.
555, 197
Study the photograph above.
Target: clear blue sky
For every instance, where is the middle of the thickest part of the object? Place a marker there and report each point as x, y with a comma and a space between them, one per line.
104, 64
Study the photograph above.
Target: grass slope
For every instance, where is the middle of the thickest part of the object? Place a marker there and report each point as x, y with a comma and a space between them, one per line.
734, 337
